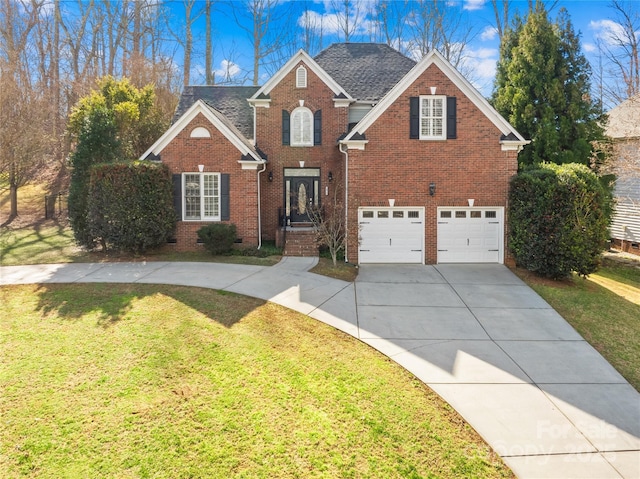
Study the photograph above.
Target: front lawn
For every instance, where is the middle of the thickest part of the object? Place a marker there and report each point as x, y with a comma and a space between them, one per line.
51, 241
161, 381
604, 309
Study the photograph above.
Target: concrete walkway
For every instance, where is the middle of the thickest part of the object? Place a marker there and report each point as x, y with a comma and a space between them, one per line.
539, 394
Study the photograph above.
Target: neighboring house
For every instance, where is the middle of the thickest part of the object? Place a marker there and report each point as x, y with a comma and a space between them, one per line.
624, 129
419, 158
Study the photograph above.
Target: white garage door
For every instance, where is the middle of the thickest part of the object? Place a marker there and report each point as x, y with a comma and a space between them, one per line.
470, 235
391, 235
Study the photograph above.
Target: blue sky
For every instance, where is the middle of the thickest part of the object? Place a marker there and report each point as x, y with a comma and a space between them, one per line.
232, 54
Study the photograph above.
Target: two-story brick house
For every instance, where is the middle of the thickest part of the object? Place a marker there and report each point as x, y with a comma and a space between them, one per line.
419, 158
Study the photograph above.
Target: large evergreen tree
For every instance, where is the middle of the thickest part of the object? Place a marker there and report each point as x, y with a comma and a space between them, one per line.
116, 122
543, 88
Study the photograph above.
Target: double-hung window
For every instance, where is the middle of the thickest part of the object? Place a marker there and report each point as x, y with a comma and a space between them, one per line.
201, 196
433, 116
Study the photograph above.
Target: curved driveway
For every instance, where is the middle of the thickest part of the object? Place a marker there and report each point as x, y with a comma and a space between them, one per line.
539, 394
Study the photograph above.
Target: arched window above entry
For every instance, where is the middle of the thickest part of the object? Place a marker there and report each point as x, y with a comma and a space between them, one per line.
200, 132
301, 127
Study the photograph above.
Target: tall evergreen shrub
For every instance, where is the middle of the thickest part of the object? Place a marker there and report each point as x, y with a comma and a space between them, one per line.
130, 206
97, 143
558, 219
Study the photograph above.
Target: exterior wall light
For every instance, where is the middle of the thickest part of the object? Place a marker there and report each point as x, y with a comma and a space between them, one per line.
432, 189
270, 177
330, 177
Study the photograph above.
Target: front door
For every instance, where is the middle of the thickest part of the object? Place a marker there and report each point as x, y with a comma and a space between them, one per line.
301, 193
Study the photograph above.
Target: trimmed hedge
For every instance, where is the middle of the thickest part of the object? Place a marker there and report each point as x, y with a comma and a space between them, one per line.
218, 238
558, 219
130, 206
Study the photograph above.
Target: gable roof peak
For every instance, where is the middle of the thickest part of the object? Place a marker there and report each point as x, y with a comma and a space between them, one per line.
217, 119
434, 57
300, 56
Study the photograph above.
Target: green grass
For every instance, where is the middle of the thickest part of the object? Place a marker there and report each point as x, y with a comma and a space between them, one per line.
158, 381
52, 242
46, 243
605, 310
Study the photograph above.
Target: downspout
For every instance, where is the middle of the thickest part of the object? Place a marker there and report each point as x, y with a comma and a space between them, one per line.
346, 197
264, 167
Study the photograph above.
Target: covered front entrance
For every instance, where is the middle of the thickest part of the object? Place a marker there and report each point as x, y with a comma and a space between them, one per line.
302, 187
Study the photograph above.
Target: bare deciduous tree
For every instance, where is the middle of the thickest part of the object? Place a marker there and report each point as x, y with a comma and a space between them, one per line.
266, 24
620, 51
208, 57
391, 22
329, 222
434, 26
349, 14
312, 30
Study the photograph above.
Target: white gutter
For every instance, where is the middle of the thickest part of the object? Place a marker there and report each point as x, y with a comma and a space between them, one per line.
264, 167
346, 198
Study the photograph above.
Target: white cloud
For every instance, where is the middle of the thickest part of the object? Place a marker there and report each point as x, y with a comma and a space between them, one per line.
333, 23
489, 33
479, 66
474, 4
227, 70
589, 47
607, 30
311, 20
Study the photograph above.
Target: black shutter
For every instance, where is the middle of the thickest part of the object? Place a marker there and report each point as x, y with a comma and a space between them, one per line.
451, 118
177, 195
224, 197
286, 128
414, 117
317, 128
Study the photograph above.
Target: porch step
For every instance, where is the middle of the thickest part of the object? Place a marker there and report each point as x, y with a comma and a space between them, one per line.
300, 243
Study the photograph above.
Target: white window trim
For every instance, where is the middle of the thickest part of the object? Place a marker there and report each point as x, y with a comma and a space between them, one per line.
304, 111
200, 132
301, 77
203, 217
443, 135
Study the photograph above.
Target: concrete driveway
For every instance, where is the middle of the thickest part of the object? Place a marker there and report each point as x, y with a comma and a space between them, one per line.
539, 394
536, 391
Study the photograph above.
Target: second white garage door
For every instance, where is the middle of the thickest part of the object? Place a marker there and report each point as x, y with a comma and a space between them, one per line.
470, 235
391, 235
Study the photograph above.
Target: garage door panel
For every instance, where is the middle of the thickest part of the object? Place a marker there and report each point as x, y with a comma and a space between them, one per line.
472, 235
391, 235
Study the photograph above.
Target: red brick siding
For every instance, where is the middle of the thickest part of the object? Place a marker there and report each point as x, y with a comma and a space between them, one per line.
218, 155
393, 166
285, 96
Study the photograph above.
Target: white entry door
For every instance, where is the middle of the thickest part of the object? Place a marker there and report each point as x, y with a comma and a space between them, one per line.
471, 235
391, 235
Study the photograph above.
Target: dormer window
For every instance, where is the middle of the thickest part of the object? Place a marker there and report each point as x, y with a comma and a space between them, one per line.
301, 77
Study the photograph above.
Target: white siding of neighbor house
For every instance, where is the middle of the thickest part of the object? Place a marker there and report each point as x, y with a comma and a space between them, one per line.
626, 220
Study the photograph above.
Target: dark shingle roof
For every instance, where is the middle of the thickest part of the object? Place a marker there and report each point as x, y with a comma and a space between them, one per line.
365, 70
231, 101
